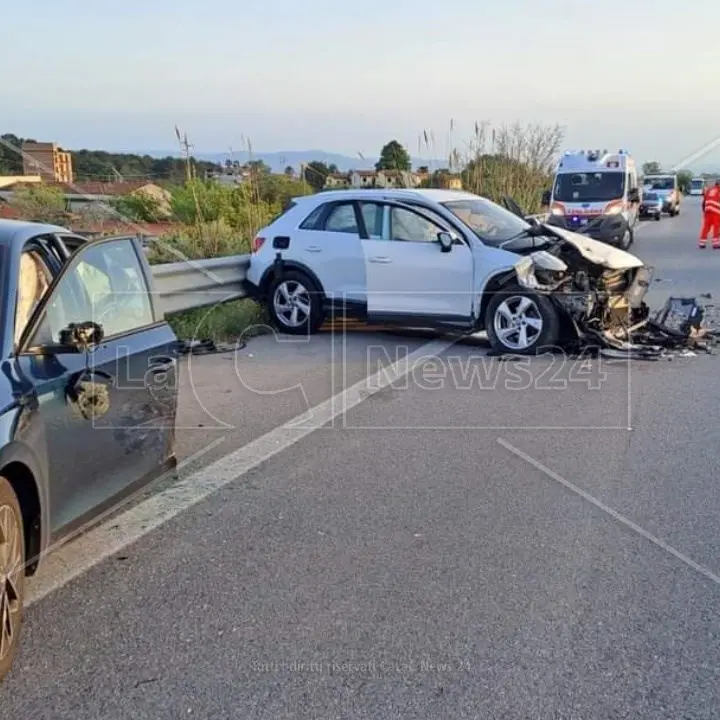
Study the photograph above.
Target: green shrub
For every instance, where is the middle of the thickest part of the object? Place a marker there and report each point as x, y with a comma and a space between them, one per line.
40, 203
139, 208
196, 242
226, 322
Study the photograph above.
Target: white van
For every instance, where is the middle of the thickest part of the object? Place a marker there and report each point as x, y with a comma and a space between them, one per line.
697, 186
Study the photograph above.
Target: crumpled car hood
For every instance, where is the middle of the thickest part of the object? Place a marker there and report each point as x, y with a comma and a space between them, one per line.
598, 252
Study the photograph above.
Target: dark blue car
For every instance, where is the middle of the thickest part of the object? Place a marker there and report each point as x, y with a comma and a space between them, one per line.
88, 393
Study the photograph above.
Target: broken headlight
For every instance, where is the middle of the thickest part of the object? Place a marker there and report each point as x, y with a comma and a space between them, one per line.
540, 270
525, 270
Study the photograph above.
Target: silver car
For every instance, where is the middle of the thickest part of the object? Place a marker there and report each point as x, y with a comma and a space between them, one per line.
651, 205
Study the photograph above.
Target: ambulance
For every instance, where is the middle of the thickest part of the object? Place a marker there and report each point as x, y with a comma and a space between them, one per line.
596, 193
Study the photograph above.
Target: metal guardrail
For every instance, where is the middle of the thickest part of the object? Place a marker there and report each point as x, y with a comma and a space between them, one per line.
194, 284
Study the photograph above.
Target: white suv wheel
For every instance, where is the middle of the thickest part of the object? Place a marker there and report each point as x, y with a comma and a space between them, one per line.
295, 304
518, 323
521, 322
292, 303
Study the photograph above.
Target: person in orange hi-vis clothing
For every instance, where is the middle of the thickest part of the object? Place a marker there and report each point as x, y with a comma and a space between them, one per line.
711, 216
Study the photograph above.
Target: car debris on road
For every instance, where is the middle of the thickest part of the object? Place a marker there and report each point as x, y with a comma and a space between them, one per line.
603, 297
207, 346
682, 327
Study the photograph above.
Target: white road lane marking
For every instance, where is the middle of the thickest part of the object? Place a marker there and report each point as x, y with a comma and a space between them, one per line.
612, 513
72, 560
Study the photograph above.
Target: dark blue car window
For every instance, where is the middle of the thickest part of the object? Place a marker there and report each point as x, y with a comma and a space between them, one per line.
106, 286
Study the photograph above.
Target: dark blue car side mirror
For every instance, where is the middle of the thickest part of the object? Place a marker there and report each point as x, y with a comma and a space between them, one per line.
81, 336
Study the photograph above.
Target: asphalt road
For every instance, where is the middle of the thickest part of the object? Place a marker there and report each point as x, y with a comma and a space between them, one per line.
478, 540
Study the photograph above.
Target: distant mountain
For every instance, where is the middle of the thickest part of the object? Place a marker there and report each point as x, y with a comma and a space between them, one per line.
278, 161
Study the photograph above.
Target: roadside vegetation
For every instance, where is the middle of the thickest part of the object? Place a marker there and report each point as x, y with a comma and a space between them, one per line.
40, 203
229, 322
205, 218
514, 161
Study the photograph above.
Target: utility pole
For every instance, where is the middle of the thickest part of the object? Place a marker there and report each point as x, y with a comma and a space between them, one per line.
185, 147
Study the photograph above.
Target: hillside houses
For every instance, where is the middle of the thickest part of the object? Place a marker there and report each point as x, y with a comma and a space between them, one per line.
373, 179
358, 179
89, 206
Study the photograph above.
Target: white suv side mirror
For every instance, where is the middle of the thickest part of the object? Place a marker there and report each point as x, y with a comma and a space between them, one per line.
446, 241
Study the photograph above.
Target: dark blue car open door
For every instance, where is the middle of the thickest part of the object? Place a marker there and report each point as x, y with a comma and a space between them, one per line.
103, 364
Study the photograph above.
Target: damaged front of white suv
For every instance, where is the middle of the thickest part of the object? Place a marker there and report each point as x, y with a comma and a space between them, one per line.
599, 289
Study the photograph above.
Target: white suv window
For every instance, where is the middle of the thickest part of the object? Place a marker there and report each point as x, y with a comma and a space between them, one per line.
342, 219
312, 220
410, 227
373, 216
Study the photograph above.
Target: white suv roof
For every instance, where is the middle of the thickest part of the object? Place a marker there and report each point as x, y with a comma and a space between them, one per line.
435, 195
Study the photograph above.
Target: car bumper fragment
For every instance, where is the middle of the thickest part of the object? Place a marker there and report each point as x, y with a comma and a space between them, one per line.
607, 310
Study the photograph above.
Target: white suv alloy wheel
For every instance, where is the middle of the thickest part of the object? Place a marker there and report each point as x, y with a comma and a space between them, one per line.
292, 303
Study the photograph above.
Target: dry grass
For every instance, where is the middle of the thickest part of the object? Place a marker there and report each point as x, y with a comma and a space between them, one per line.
515, 161
217, 221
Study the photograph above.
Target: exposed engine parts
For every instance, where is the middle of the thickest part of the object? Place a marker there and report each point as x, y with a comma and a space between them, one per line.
606, 307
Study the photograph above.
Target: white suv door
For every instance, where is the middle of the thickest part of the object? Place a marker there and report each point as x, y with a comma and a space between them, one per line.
328, 243
409, 277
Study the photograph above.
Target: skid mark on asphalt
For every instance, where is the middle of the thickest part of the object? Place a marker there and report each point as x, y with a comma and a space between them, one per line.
609, 511
102, 542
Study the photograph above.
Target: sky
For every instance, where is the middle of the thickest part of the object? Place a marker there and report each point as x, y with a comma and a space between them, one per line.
348, 76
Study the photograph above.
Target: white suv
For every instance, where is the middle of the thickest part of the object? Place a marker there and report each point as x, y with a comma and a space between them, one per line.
440, 259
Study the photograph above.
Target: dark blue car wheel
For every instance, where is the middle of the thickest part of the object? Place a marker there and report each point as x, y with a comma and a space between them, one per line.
12, 575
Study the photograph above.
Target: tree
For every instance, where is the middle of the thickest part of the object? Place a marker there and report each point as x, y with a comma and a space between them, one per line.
394, 156
437, 179
11, 162
515, 161
684, 179
315, 174
104, 166
139, 208
201, 202
279, 189
334, 169
290, 171
257, 169
651, 168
